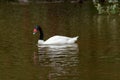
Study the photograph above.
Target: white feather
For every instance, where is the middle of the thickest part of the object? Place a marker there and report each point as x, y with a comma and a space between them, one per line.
59, 40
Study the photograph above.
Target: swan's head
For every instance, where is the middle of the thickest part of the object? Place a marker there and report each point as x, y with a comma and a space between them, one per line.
36, 29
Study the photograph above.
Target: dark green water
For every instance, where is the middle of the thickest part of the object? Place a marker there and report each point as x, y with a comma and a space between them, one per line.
96, 56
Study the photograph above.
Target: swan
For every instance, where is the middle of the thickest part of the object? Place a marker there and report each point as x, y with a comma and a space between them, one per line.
55, 39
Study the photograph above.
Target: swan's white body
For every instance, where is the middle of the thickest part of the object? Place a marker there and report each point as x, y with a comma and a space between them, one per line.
59, 40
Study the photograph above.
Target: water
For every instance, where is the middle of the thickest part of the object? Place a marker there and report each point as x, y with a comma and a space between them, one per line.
59, 58
95, 56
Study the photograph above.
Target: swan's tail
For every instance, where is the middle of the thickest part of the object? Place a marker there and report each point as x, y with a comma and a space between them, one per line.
73, 40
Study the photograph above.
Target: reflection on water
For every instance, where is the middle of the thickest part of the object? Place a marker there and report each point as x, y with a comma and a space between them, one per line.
61, 59
110, 25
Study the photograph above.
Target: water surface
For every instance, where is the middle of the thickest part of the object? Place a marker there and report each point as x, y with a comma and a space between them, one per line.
95, 56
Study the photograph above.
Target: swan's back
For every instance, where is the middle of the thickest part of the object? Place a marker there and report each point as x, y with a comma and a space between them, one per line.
60, 40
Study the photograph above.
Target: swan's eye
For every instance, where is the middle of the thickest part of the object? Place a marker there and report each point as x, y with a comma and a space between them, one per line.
34, 31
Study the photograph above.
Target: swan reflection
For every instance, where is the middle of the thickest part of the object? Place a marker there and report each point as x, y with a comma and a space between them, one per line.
61, 58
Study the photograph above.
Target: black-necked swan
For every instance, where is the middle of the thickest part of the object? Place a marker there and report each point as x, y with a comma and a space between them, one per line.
55, 39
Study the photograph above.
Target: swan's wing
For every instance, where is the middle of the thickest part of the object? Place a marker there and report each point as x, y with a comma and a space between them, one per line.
57, 40
60, 40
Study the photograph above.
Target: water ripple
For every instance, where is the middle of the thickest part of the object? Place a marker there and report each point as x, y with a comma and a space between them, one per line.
61, 58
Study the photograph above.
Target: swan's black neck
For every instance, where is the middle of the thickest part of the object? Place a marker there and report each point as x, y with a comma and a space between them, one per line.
41, 33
